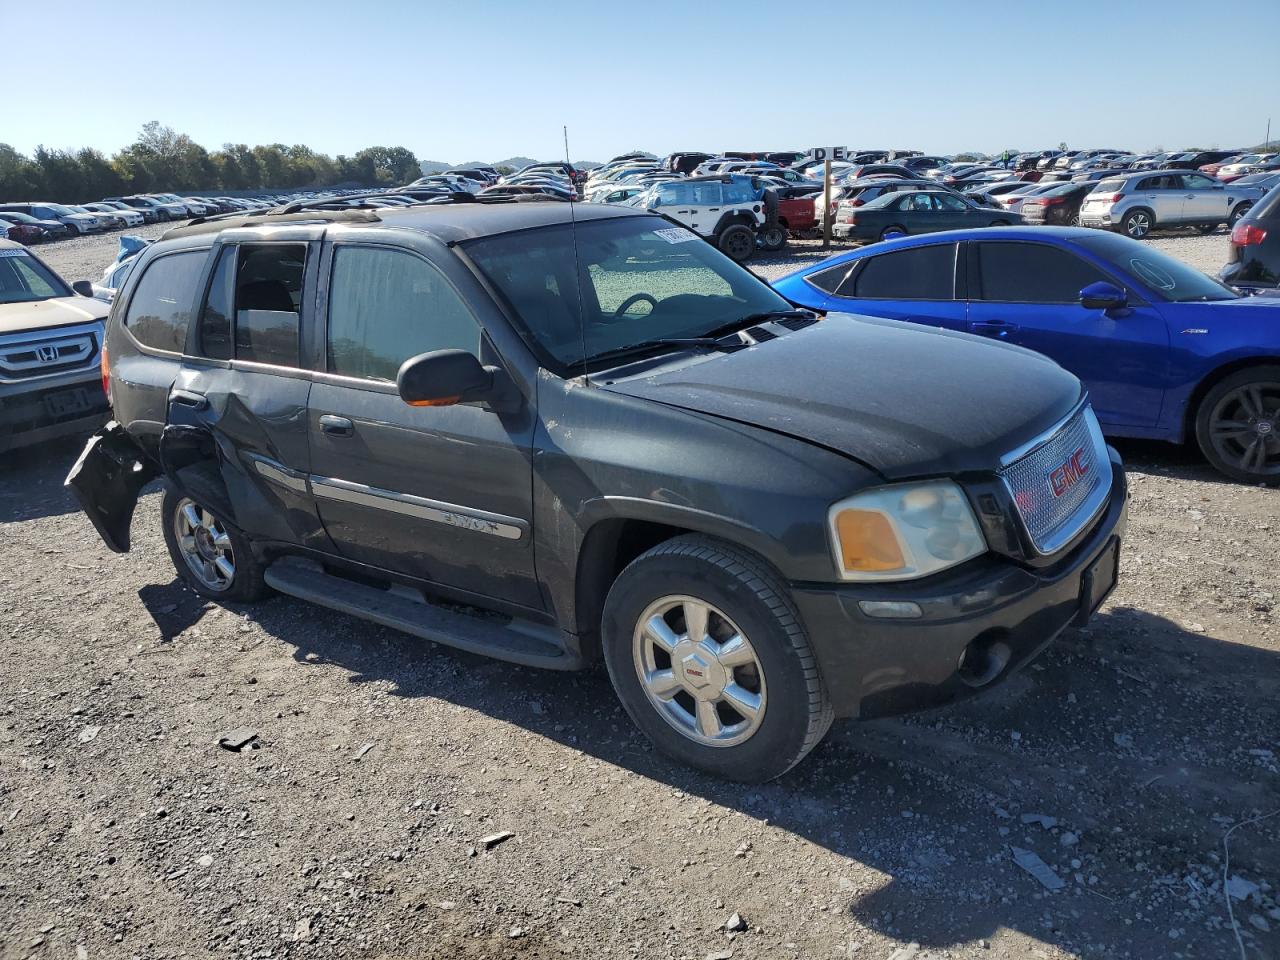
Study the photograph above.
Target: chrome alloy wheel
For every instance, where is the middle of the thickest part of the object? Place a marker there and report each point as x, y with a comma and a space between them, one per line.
204, 545
1244, 428
1138, 225
699, 671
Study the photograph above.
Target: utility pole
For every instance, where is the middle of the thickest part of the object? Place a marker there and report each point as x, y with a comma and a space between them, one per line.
826, 203
1267, 144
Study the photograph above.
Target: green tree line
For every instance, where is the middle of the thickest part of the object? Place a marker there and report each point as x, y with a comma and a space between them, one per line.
161, 160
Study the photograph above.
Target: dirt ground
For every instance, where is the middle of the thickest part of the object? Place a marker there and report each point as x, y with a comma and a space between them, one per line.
1134, 758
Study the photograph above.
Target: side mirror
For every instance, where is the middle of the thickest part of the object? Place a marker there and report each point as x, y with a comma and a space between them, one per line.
1103, 296
442, 378
83, 287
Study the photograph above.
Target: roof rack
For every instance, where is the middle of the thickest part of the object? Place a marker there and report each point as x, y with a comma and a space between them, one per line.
256, 218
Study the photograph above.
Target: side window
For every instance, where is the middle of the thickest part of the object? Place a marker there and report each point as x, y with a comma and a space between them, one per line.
949, 203
252, 308
1197, 181
160, 308
707, 193
919, 273
386, 306
1033, 273
268, 298
830, 278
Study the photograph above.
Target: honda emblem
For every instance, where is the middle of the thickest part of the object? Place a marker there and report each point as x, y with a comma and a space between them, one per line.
47, 354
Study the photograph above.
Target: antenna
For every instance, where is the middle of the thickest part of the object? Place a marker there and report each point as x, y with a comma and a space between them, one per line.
577, 261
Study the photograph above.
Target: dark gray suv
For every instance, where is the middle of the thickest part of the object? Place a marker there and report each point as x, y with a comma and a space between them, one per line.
562, 434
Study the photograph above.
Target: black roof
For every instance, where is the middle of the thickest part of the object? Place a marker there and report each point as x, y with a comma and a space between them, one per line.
448, 222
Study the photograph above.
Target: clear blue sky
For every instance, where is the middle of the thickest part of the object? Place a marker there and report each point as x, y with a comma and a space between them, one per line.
487, 80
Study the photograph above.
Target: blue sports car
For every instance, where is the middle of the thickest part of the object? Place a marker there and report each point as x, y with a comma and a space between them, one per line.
1165, 351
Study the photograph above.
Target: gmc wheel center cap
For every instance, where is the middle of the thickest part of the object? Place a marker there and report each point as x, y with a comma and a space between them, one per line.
700, 671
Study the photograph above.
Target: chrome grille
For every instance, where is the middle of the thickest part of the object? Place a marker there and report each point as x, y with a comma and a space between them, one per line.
1062, 482
29, 356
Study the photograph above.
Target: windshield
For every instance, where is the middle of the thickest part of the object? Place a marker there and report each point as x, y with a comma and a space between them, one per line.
60, 210
24, 279
1170, 278
638, 279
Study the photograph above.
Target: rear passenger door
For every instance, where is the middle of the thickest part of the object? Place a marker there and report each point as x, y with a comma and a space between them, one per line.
237, 434
1028, 293
1164, 195
439, 493
916, 284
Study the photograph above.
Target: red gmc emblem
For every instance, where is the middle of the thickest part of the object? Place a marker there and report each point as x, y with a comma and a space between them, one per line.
1066, 476
693, 673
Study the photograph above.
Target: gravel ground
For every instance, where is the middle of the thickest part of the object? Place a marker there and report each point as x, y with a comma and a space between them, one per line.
1127, 758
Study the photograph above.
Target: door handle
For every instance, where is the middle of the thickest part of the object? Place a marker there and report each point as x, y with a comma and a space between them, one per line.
186, 398
993, 328
337, 426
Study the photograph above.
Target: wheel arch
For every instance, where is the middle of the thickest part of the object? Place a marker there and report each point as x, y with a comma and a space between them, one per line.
622, 529
733, 218
1210, 380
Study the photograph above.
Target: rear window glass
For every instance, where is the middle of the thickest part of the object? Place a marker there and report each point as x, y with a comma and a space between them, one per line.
1109, 186
920, 273
160, 308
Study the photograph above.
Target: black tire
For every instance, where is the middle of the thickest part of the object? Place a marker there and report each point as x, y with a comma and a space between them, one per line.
773, 237
163, 215
796, 713
246, 585
893, 230
1207, 228
998, 223
737, 241
1240, 210
1249, 452
1138, 223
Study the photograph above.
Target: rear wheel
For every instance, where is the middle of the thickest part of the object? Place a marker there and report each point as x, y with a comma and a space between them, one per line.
213, 558
888, 233
737, 241
1240, 210
773, 237
1137, 223
709, 658
1207, 228
999, 223
1238, 425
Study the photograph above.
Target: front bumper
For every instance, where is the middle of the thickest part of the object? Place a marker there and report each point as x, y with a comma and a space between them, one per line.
39, 410
878, 667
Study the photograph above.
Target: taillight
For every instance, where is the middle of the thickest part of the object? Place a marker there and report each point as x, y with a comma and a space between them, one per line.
1114, 198
106, 377
1052, 201
1247, 234
857, 203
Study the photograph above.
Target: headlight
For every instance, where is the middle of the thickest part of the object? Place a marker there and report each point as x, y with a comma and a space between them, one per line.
903, 532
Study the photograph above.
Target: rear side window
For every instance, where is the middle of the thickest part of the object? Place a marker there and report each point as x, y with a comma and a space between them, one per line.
160, 308
830, 278
1033, 273
386, 306
254, 302
920, 273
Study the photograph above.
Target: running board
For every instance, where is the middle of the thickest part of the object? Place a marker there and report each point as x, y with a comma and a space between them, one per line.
403, 608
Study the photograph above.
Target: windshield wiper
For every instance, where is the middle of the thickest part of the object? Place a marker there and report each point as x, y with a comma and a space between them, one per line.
646, 346
752, 318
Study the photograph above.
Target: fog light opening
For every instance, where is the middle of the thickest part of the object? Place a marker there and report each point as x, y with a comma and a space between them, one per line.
983, 661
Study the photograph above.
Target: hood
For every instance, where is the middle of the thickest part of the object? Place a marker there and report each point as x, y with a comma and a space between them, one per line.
903, 399
55, 312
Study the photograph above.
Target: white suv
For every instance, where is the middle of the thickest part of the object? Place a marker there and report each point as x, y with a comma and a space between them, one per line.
727, 210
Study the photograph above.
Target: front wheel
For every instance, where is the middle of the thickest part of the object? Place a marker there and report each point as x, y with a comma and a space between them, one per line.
1207, 228
709, 658
213, 558
1240, 210
888, 233
737, 242
1238, 425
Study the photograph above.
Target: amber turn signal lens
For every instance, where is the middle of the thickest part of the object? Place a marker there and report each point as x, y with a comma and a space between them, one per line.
438, 402
867, 542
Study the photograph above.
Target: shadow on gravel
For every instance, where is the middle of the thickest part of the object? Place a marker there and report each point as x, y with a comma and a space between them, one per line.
1134, 736
31, 480
173, 608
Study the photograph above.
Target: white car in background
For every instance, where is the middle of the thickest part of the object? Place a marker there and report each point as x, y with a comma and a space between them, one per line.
121, 218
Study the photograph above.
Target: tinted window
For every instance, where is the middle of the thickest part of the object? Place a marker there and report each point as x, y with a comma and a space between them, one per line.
160, 307
267, 301
1170, 277
943, 202
830, 278
214, 337
920, 273
1198, 181
1033, 273
386, 306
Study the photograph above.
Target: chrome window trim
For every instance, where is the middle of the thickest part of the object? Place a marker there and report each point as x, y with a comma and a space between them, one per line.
450, 514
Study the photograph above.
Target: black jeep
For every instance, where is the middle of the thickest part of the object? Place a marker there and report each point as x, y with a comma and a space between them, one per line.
557, 434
